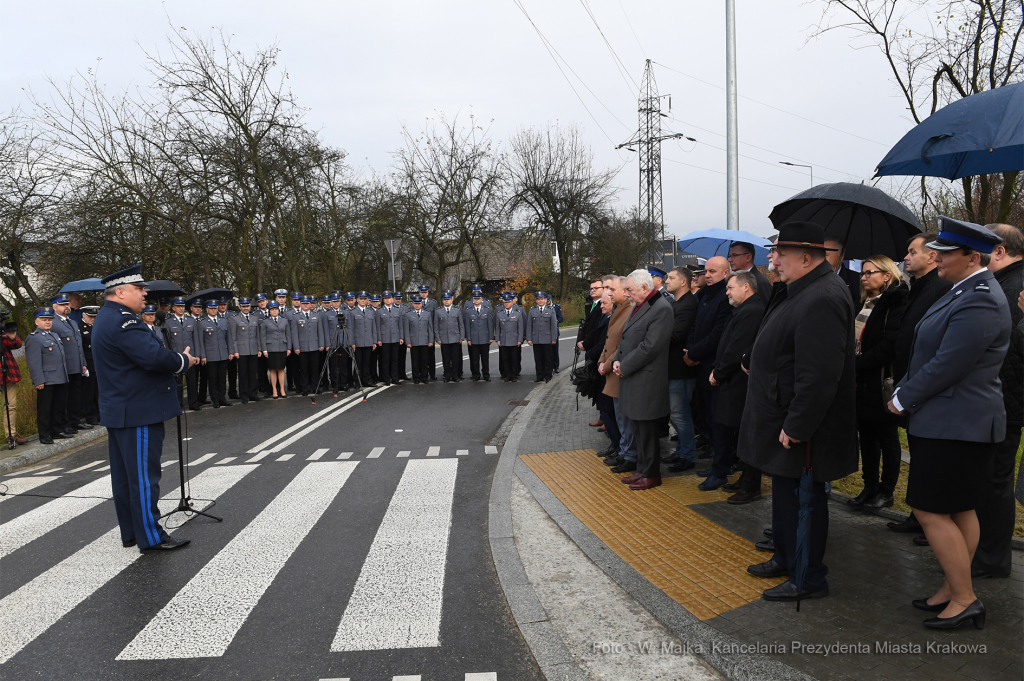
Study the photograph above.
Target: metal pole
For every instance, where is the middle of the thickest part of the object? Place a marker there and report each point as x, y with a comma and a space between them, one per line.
732, 173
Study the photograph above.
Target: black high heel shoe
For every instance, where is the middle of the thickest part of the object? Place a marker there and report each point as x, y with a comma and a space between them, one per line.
975, 611
922, 604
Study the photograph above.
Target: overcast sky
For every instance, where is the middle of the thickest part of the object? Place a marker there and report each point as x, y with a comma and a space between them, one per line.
364, 69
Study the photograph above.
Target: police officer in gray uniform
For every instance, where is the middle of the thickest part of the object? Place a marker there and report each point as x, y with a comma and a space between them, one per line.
149, 319
478, 322
217, 349
509, 328
292, 361
429, 305
389, 321
74, 357
195, 311
245, 336
418, 332
307, 343
44, 353
181, 331
449, 332
542, 334
364, 335
403, 348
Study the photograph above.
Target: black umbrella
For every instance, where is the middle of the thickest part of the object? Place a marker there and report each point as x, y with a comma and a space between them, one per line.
866, 219
161, 288
210, 293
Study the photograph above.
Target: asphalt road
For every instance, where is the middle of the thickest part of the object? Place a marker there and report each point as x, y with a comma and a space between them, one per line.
353, 545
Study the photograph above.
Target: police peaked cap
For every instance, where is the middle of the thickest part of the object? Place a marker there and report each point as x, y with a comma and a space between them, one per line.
211, 303
954, 234
261, 296
281, 292
149, 309
448, 294
129, 275
178, 301
273, 305
416, 298
244, 301
44, 312
59, 299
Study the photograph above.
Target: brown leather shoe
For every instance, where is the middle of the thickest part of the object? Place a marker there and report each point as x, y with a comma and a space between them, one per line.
645, 483
602, 429
631, 479
597, 423
20, 440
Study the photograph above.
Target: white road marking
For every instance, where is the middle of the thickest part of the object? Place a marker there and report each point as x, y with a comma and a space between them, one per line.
284, 457
375, 453
165, 464
88, 465
48, 471
461, 452
344, 679
105, 468
203, 618
288, 431
315, 456
408, 677
482, 676
310, 428
398, 430
37, 522
19, 485
490, 449
38, 605
203, 459
261, 455
433, 451
404, 454
345, 455
23, 471
226, 459
396, 602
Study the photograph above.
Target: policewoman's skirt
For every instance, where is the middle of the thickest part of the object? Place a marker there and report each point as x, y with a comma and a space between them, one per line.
948, 476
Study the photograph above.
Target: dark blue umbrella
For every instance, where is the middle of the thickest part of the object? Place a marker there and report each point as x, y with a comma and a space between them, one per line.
805, 495
976, 135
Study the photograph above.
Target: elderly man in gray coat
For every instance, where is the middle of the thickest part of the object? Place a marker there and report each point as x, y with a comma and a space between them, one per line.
642, 366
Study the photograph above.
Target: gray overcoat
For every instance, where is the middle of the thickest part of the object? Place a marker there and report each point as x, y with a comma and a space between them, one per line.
643, 360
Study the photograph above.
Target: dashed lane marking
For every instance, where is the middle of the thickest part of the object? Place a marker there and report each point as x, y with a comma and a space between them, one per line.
461, 452
346, 455
82, 468
165, 464
284, 457
490, 449
203, 459
315, 456
105, 468
261, 455
226, 459
482, 676
434, 451
375, 453
404, 454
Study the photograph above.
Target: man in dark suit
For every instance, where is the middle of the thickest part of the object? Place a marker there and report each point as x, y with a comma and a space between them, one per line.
801, 402
741, 290
741, 259
837, 249
681, 377
641, 363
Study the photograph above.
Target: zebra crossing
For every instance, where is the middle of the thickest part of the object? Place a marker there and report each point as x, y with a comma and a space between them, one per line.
396, 601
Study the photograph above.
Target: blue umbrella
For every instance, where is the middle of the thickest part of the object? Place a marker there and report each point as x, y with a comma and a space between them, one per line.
976, 135
805, 494
83, 285
708, 243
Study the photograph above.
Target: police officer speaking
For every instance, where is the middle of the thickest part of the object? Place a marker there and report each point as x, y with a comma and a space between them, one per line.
137, 394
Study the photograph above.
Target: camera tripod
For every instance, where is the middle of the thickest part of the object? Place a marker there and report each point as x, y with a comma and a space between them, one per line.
332, 350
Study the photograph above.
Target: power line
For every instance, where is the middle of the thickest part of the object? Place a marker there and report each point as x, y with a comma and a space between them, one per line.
722, 172
770, 106
630, 24
619, 65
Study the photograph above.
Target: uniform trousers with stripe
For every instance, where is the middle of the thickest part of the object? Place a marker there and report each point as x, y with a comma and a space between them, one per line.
50, 401
451, 360
248, 377
135, 479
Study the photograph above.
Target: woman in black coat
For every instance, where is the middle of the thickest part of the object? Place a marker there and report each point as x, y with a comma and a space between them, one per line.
884, 301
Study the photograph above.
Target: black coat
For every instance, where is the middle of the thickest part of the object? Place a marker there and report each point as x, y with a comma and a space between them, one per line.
802, 381
877, 348
592, 318
593, 347
736, 341
924, 291
684, 311
713, 312
764, 287
1011, 280
852, 281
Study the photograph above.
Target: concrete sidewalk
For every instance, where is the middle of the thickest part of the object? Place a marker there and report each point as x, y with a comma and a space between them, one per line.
682, 555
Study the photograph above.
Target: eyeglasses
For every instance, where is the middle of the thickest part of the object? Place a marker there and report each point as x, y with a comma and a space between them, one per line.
868, 273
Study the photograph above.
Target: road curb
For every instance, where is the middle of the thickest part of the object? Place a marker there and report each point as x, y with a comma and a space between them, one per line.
38, 452
553, 658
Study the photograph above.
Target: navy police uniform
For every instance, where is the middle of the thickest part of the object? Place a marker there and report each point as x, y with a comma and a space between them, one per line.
136, 393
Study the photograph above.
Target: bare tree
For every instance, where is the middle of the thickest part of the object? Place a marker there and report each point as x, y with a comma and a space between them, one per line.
619, 242
939, 51
556, 190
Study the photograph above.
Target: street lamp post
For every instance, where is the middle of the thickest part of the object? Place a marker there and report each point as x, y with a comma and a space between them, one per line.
800, 165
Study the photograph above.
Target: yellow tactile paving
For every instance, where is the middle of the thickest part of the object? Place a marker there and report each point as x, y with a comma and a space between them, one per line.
696, 562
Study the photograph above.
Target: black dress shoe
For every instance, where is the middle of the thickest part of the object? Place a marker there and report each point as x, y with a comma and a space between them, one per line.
878, 501
62, 436
731, 486
487, 378
196, 408
744, 496
208, 401
45, 441
768, 569
908, 525
922, 604
83, 426
767, 545
613, 460
982, 573
705, 472
859, 500
128, 544
787, 591
975, 611
607, 451
768, 532
681, 466
625, 467
168, 545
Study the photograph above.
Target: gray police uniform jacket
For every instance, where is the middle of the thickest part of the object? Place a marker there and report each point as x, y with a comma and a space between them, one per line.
509, 326
159, 333
418, 329
542, 325
479, 326
245, 333
306, 332
363, 327
952, 389
448, 327
217, 343
71, 337
275, 334
429, 305
44, 353
389, 323
183, 334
